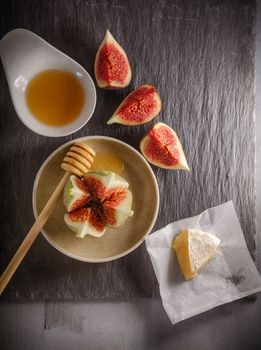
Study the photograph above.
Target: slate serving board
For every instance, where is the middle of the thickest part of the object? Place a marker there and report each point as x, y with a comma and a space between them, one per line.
199, 55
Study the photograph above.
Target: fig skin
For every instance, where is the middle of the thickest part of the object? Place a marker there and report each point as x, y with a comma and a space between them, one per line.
112, 68
96, 201
161, 147
139, 107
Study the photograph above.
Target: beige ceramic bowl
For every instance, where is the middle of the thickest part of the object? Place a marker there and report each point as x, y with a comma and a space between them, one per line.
116, 242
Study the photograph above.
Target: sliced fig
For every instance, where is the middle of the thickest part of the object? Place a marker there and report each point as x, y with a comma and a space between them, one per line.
112, 68
118, 208
139, 107
106, 203
161, 147
100, 183
75, 194
84, 222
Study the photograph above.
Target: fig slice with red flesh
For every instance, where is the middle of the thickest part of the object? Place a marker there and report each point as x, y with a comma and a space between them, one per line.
112, 68
75, 194
83, 222
117, 208
139, 107
108, 203
161, 147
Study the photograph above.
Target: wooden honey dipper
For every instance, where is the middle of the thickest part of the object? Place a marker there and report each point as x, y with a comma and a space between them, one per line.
77, 161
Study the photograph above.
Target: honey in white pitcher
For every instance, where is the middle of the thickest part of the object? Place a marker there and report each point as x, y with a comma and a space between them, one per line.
55, 97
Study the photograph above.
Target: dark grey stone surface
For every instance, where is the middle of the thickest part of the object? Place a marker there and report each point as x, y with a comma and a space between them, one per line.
138, 324
199, 55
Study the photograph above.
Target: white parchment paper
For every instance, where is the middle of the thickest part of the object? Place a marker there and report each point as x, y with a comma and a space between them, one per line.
230, 275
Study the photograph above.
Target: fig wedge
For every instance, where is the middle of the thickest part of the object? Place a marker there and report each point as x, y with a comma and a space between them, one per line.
75, 194
161, 147
139, 107
112, 68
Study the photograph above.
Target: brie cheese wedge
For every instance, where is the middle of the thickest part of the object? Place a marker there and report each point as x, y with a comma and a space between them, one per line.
194, 249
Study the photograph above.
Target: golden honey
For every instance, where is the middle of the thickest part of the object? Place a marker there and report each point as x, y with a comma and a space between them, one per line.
55, 97
107, 161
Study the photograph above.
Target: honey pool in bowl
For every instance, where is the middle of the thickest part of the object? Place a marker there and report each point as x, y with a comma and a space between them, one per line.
55, 97
109, 162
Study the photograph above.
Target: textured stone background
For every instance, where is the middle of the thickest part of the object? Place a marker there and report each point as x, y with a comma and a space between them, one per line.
199, 55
